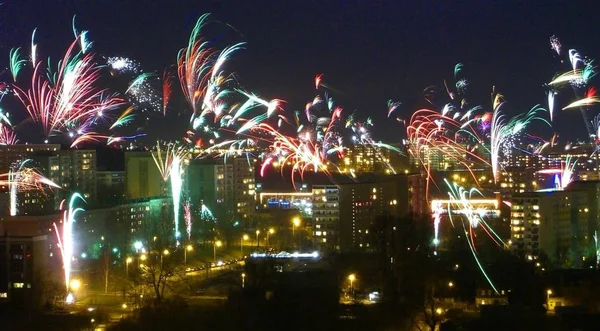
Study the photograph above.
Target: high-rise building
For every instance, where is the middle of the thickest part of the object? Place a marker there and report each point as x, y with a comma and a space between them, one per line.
142, 177
225, 186
73, 170
361, 203
445, 158
552, 223
361, 159
83, 172
9, 154
417, 194
326, 216
23, 269
110, 187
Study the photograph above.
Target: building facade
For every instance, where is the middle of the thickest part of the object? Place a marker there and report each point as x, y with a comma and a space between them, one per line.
326, 216
142, 177
226, 186
360, 204
553, 224
23, 269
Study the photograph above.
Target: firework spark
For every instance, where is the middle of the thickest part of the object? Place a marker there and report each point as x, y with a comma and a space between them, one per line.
201, 73
65, 237
167, 90
70, 100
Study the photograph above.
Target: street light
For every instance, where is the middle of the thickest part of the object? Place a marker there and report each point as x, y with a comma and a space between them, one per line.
548, 292
257, 242
271, 231
188, 248
127, 261
75, 285
216, 244
450, 284
295, 223
351, 278
243, 279
244, 238
164, 253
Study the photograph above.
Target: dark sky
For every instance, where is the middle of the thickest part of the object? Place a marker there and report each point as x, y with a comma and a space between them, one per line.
369, 51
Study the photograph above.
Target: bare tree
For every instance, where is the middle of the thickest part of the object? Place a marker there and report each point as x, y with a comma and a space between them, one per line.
161, 271
429, 315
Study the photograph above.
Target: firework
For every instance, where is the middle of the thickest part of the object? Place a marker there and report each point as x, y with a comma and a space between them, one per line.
68, 101
176, 178
392, 106
551, 95
142, 94
563, 176
167, 90
165, 155
187, 217
25, 178
121, 65
201, 73
16, 62
461, 204
85, 44
503, 131
7, 135
125, 118
589, 99
170, 164
65, 237
578, 79
33, 56
22, 177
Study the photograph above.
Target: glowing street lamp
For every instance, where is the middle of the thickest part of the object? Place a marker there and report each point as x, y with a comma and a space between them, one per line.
75, 285
164, 253
127, 261
257, 242
142, 257
450, 284
352, 278
270, 232
188, 248
216, 244
548, 294
295, 223
244, 238
243, 279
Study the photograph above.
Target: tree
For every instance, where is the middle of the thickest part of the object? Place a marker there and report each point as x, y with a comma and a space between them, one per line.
160, 271
429, 314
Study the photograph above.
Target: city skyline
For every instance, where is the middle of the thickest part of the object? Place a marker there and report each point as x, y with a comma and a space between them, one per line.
344, 159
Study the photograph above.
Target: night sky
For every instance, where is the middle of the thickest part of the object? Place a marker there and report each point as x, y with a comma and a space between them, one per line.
369, 51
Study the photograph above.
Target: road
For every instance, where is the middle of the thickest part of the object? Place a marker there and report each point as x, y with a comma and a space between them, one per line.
111, 307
